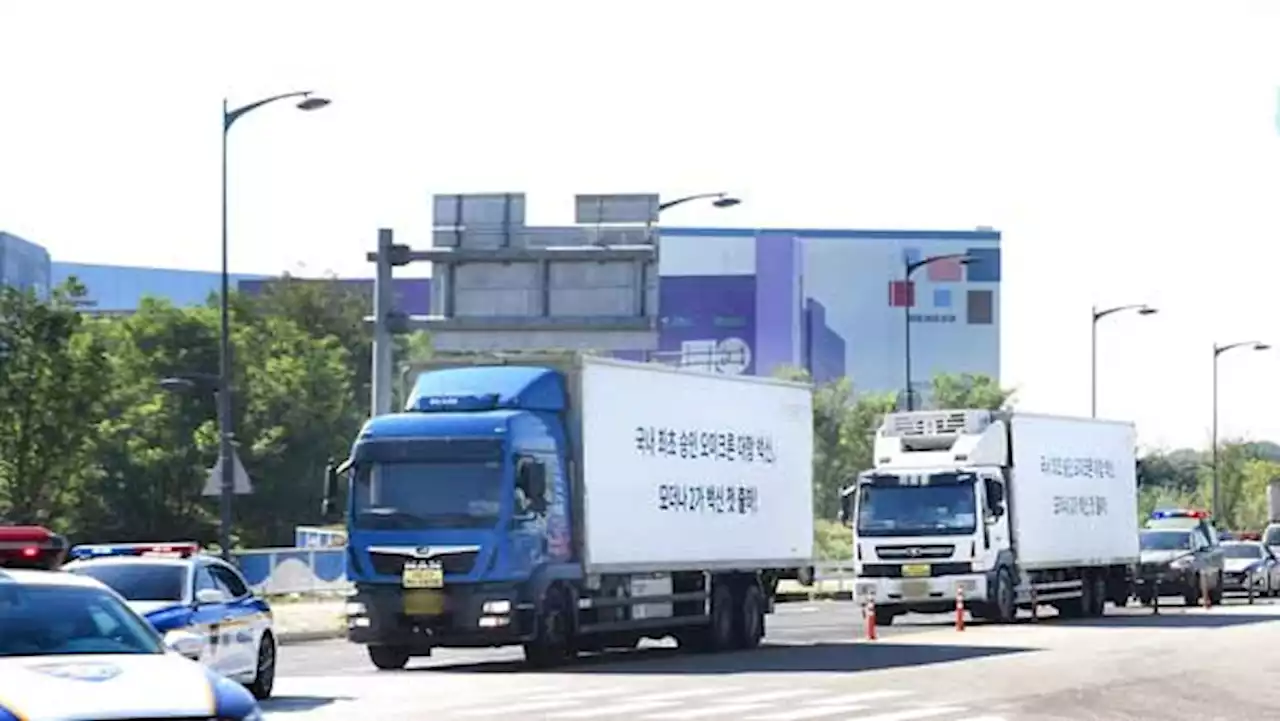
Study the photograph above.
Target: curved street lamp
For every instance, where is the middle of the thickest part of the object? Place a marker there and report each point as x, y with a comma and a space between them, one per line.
1142, 309
718, 200
307, 100
908, 268
1218, 350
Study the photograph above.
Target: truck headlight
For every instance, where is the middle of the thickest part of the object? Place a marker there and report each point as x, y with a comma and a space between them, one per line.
354, 608
497, 608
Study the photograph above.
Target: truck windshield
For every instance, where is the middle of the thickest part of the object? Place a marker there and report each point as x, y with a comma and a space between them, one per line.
887, 506
427, 494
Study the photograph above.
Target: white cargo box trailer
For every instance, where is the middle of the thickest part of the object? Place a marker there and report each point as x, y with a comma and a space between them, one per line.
686, 470
1074, 492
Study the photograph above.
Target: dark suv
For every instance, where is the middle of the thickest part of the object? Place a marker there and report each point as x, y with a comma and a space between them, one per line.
1180, 552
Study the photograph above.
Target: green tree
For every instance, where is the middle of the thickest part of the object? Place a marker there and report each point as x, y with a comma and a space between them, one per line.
51, 383
968, 390
152, 472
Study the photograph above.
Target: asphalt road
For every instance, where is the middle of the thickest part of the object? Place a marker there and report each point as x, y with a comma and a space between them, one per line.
792, 623
1181, 665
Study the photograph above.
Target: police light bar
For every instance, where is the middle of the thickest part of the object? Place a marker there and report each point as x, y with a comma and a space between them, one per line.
1178, 513
161, 550
1249, 536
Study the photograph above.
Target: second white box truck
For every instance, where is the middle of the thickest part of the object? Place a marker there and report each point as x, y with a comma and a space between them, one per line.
1008, 509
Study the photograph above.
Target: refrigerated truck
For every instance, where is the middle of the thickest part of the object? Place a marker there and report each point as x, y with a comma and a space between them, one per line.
572, 503
1008, 509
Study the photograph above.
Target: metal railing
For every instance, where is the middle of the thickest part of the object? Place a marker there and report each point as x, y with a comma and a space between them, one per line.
322, 572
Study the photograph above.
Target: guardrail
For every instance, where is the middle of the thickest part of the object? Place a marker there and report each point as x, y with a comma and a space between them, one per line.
323, 571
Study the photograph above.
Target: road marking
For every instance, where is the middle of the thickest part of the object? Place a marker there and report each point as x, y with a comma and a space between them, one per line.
983, 718
574, 695
860, 697
772, 696
518, 708
912, 714
726, 710
809, 712
690, 693
614, 711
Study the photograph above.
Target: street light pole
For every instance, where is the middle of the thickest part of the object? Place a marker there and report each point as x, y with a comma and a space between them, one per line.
1143, 309
1218, 350
908, 268
226, 428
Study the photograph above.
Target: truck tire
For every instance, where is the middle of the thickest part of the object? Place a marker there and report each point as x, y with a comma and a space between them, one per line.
1004, 603
388, 658
552, 644
885, 616
1098, 606
750, 617
722, 633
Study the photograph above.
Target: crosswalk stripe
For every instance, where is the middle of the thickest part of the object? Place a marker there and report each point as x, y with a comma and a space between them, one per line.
617, 711
518, 708
809, 712
702, 712
859, 697
913, 714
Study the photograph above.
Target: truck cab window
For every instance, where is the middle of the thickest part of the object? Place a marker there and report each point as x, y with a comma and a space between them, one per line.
532, 490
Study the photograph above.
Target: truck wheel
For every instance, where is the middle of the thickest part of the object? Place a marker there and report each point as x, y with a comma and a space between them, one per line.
884, 616
722, 631
1099, 605
1005, 607
553, 641
751, 619
389, 658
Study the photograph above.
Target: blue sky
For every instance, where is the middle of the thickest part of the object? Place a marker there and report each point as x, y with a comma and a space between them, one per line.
1127, 150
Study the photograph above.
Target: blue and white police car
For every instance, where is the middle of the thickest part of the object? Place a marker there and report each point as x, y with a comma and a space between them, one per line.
177, 588
71, 649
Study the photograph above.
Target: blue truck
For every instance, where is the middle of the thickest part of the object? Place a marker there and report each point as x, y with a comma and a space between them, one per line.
571, 504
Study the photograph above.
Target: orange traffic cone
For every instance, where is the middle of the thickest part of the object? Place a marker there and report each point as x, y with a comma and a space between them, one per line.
959, 609
870, 611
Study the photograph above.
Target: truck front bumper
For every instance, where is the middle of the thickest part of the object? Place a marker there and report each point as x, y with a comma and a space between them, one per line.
921, 595
475, 616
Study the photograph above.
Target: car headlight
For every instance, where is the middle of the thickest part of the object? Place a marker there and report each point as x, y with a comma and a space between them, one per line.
1180, 564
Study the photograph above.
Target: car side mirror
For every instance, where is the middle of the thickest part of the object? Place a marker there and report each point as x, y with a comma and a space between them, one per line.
209, 596
184, 643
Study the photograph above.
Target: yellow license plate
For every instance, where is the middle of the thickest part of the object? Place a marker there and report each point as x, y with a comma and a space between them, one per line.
423, 602
915, 570
421, 574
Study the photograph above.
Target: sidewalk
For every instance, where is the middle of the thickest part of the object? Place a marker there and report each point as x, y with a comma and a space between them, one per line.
301, 620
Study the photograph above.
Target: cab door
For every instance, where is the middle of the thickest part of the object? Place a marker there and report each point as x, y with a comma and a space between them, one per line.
209, 618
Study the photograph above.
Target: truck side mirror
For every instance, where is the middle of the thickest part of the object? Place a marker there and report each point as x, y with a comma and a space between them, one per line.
329, 506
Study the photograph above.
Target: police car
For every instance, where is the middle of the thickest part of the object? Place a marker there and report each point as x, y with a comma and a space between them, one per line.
71, 649
177, 588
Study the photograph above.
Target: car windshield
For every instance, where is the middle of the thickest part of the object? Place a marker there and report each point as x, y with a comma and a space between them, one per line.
1242, 550
139, 581
70, 620
1166, 540
946, 505
415, 495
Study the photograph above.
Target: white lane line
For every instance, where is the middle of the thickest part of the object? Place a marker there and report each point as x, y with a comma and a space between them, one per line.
617, 711
859, 697
809, 712
518, 708
725, 710
983, 718
772, 696
912, 714
689, 693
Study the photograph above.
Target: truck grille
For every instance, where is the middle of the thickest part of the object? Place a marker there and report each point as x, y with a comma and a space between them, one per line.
391, 564
893, 570
913, 552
